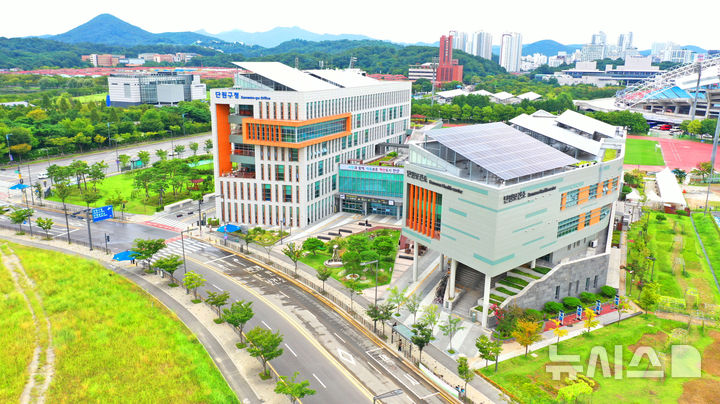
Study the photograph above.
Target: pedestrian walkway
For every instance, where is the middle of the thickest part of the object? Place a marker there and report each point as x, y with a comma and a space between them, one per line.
167, 224
174, 246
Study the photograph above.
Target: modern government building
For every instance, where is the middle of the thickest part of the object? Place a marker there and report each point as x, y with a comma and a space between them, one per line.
292, 147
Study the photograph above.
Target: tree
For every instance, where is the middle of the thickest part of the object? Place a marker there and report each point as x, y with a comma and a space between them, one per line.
294, 253
264, 344
703, 169
649, 296
589, 320
179, 150
558, 331
422, 335
194, 146
412, 303
247, 238
97, 173
63, 191
323, 273
694, 127
80, 169
494, 350
238, 315
353, 289
39, 189
386, 311
571, 392
144, 249
292, 389
430, 316
208, 145
451, 326
680, 174
124, 160
622, 307
118, 201
526, 333
162, 154
464, 371
45, 224
373, 311
351, 260
482, 343
144, 157
19, 216
193, 280
397, 297
217, 300
169, 264
313, 244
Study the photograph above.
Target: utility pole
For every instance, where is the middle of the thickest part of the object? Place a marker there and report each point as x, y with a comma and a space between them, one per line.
435, 61
87, 217
712, 165
27, 203
697, 89
30, 183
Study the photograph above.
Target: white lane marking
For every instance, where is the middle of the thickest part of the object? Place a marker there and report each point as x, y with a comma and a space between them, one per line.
290, 349
339, 337
319, 381
64, 233
430, 395
412, 381
268, 327
370, 364
287, 297
218, 259
373, 350
215, 286
346, 356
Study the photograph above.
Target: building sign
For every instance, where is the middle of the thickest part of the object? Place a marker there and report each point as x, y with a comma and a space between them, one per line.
360, 198
102, 213
522, 194
424, 178
236, 95
372, 169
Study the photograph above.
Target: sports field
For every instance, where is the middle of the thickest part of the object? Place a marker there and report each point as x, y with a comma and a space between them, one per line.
91, 97
643, 152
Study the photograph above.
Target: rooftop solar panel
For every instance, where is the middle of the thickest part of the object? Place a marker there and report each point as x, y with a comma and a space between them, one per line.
501, 149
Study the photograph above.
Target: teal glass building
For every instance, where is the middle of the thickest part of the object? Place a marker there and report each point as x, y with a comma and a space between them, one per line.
367, 190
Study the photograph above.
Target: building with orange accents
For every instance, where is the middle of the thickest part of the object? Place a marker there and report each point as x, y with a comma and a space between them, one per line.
523, 216
280, 136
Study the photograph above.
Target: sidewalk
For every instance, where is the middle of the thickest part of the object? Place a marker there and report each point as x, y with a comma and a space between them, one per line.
237, 367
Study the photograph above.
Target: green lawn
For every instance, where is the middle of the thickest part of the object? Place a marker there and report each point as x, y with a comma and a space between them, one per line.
666, 250
528, 379
386, 265
112, 341
643, 152
91, 97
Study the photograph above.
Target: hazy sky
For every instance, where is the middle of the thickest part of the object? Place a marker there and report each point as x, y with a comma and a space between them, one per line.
568, 22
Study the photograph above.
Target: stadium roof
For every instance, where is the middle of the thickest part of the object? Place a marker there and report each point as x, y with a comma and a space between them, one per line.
586, 124
547, 127
286, 75
343, 78
501, 149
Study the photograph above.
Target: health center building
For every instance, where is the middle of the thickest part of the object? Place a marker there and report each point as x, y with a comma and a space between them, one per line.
280, 136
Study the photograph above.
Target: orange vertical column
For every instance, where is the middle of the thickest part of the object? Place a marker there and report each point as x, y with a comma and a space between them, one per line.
432, 217
411, 205
222, 128
425, 212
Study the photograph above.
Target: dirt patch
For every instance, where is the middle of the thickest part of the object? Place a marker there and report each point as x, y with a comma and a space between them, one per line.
655, 341
711, 356
700, 391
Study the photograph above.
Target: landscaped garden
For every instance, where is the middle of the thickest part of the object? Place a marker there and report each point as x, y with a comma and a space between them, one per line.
528, 379
353, 250
643, 152
112, 341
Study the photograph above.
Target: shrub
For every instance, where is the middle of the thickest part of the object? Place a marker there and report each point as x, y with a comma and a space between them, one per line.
571, 302
553, 307
506, 291
588, 297
542, 270
608, 291
660, 217
534, 315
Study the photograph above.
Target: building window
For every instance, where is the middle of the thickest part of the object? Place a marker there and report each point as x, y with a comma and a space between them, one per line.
317, 189
557, 292
595, 282
267, 192
294, 155
577, 286
287, 193
570, 289
587, 284
280, 172
572, 198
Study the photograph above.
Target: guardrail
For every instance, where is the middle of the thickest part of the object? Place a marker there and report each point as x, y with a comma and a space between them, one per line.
41, 235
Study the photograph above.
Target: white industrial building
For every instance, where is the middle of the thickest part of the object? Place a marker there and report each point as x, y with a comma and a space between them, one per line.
163, 88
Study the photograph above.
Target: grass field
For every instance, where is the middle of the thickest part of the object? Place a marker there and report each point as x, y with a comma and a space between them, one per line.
527, 378
91, 97
113, 342
643, 152
667, 248
124, 184
16, 339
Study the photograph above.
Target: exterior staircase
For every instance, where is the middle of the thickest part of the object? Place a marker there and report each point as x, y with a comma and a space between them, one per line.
511, 283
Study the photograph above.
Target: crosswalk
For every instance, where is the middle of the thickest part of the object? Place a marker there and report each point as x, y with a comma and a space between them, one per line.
174, 247
167, 224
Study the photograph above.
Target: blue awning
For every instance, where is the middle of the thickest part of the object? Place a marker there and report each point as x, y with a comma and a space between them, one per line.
228, 228
19, 186
124, 256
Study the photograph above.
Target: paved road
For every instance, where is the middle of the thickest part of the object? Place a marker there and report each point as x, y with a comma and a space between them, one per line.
7, 173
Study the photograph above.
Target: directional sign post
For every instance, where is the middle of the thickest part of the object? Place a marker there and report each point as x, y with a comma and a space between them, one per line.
388, 394
598, 307
102, 213
579, 312
561, 317
617, 301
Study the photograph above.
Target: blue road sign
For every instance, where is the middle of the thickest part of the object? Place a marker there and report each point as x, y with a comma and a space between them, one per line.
598, 306
617, 300
561, 316
102, 213
579, 312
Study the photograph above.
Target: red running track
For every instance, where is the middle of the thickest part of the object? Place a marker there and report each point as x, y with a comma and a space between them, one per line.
684, 154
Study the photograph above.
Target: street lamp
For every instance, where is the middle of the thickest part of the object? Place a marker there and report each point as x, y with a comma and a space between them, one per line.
376, 274
182, 242
386, 395
652, 272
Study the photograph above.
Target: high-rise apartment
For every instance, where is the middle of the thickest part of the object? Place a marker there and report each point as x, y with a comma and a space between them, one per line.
482, 44
448, 68
510, 51
280, 135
